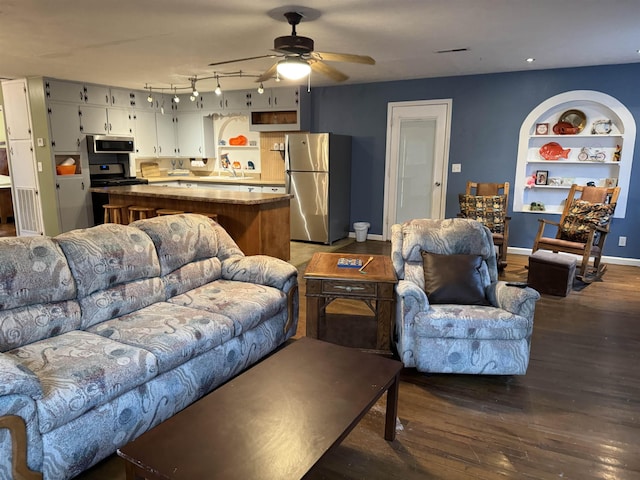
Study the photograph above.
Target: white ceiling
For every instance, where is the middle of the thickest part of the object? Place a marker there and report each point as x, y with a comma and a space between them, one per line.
131, 43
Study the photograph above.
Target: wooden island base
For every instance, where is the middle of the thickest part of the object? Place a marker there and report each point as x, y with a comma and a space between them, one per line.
257, 222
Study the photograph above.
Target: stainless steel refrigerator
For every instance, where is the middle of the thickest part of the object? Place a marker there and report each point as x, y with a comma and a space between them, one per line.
318, 174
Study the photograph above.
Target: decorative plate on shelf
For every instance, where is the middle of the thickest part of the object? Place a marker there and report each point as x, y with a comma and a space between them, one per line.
576, 118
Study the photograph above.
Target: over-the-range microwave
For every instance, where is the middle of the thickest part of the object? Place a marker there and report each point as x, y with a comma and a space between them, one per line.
110, 144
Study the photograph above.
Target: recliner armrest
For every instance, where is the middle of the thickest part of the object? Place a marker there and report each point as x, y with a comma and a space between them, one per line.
261, 270
516, 300
412, 296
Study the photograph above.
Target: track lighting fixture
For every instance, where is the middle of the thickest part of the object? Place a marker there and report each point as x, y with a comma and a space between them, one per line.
261, 89
176, 98
194, 92
218, 90
149, 97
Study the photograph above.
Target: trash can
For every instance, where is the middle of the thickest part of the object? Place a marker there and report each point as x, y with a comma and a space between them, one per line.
361, 229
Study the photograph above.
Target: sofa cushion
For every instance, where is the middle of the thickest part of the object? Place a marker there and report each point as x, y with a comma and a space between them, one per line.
29, 324
120, 300
192, 275
36, 291
454, 279
472, 322
107, 255
181, 239
79, 370
33, 270
246, 304
173, 333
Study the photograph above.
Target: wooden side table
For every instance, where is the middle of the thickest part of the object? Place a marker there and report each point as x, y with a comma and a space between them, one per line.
326, 282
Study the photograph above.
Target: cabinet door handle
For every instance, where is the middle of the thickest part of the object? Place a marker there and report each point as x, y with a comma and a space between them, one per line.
106, 129
82, 185
106, 99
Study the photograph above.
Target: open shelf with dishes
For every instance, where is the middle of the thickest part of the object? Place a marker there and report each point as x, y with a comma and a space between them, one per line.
582, 137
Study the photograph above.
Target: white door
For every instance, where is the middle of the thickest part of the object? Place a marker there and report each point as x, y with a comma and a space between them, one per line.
416, 161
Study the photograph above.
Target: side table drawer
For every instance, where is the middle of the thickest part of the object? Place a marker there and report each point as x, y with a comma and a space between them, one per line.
343, 287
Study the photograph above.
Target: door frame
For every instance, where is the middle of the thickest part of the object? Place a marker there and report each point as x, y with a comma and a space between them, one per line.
391, 159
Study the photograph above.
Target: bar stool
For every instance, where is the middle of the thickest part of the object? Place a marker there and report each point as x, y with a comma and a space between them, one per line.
114, 213
136, 212
168, 211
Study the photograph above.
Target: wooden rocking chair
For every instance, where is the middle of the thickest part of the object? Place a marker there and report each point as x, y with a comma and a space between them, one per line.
583, 228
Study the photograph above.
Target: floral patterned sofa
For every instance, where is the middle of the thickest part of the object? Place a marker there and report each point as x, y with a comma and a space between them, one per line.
105, 332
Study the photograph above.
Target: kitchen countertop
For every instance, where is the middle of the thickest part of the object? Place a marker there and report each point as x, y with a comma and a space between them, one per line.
195, 194
227, 180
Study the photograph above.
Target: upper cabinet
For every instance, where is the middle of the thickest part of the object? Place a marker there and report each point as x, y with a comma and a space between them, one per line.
583, 137
16, 106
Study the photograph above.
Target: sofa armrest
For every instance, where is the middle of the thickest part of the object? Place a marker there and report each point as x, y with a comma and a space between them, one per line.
16, 379
519, 301
261, 270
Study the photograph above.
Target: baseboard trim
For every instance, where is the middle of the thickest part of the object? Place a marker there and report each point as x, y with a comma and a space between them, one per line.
633, 262
370, 236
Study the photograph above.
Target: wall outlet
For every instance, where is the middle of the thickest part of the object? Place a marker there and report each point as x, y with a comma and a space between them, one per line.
622, 241
456, 167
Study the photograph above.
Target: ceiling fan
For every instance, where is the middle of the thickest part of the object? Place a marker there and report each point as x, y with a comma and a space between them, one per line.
298, 56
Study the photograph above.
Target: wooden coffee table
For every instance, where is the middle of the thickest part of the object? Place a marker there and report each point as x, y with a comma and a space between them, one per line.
274, 421
326, 282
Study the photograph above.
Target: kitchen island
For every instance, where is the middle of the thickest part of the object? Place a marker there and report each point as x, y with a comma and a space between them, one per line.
258, 222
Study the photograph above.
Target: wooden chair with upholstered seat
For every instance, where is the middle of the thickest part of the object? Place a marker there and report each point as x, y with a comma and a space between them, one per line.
488, 204
583, 228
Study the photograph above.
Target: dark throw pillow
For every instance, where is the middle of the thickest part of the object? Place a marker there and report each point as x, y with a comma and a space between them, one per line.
453, 279
582, 217
489, 210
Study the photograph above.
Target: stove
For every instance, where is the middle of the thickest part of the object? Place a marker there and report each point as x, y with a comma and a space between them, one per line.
111, 173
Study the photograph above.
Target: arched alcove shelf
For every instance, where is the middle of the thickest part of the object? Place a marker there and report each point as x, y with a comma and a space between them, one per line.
617, 146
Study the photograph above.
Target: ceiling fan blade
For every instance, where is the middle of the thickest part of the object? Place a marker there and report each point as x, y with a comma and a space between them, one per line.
334, 74
242, 60
268, 74
343, 57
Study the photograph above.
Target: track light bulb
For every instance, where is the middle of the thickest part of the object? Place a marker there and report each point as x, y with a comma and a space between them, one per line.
176, 98
261, 89
194, 92
218, 90
192, 98
149, 98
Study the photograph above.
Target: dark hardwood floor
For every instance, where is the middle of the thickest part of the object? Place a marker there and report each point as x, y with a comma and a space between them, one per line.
574, 415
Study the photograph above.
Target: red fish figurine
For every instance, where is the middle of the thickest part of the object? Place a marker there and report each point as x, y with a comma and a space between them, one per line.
554, 151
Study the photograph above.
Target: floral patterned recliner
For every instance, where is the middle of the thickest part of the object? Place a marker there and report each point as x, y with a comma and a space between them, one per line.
106, 332
490, 337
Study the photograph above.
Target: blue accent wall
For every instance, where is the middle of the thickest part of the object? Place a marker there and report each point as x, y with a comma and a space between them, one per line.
487, 113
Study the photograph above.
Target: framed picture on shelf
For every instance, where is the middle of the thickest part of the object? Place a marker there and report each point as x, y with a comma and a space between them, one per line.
541, 177
542, 128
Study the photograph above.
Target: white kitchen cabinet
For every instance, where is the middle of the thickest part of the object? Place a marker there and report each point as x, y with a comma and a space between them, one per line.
123, 98
146, 138
75, 207
166, 134
285, 97
62, 91
259, 101
274, 98
195, 135
105, 121
234, 100
615, 146
16, 108
96, 95
64, 123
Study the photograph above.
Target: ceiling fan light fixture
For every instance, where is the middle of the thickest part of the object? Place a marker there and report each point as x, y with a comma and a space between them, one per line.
293, 68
